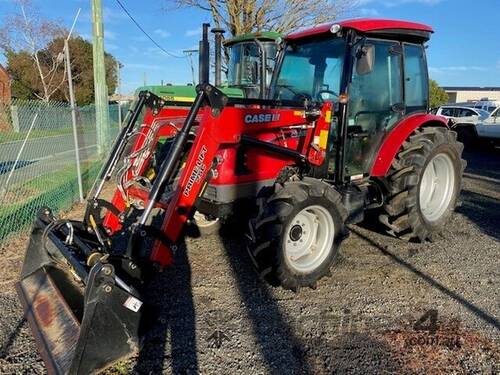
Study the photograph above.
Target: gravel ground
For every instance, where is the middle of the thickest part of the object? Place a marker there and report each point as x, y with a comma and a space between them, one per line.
374, 315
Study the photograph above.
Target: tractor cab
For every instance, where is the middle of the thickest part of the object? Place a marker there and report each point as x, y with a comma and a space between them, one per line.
380, 73
252, 58
249, 57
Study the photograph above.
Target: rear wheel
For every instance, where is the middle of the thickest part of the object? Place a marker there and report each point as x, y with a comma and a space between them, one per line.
424, 183
296, 235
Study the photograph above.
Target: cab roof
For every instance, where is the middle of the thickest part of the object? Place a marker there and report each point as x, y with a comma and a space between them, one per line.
369, 25
261, 35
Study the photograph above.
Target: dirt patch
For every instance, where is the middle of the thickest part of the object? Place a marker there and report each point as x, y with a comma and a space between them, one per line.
389, 306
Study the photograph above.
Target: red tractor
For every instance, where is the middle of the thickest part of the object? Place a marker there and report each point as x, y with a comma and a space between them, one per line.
344, 131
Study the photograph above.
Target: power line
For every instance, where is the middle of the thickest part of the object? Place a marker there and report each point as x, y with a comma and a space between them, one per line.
145, 33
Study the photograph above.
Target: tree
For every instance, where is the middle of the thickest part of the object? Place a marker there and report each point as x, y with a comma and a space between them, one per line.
34, 49
82, 70
245, 16
27, 33
437, 96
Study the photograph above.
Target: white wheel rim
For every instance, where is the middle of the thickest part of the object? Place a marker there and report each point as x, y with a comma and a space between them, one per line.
309, 239
437, 187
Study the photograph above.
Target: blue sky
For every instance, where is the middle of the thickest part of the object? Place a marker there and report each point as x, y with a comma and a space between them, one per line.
464, 51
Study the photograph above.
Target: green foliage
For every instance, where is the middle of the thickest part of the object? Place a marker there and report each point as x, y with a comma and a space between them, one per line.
437, 96
26, 82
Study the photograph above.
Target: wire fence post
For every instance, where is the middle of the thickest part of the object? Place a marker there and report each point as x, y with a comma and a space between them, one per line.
119, 114
73, 119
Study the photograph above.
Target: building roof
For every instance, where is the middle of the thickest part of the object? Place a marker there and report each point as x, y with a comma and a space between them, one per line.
364, 25
469, 88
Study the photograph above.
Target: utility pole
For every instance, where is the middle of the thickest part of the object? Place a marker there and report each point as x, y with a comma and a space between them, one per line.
189, 53
73, 117
100, 88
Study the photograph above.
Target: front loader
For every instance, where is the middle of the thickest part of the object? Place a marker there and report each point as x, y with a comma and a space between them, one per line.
345, 130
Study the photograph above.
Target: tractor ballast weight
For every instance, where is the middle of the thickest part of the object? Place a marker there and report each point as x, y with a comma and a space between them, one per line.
315, 157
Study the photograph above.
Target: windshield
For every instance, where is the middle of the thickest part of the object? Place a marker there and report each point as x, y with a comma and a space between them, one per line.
311, 70
244, 64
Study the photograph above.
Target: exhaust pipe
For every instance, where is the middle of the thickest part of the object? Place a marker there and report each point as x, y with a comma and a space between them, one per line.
218, 55
204, 56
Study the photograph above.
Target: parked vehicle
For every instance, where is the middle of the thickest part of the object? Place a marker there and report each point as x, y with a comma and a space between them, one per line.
461, 113
484, 104
485, 131
490, 128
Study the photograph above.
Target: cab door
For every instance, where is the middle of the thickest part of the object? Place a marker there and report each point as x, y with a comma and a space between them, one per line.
375, 102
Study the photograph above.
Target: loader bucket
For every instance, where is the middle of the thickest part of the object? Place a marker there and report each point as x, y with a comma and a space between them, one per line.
83, 318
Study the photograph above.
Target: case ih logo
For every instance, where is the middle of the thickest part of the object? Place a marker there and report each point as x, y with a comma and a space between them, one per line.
197, 173
263, 117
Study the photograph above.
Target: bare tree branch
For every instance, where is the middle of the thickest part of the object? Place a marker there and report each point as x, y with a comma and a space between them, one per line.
28, 31
245, 16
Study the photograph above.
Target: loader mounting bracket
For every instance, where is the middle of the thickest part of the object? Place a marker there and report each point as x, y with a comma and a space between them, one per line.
214, 97
153, 101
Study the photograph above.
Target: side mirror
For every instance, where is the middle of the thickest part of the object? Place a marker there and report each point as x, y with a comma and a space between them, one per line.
365, 59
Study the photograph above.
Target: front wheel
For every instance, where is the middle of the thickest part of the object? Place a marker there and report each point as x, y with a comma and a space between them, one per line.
424, 184
296, 236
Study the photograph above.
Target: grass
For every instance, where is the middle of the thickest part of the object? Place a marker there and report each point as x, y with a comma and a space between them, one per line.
58, 190
15, 136
11, 136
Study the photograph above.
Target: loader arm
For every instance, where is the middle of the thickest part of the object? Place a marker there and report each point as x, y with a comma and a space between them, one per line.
79, 281
221, 127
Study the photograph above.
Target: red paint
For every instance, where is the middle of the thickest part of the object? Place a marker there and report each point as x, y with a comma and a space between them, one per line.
393, 141
364, 25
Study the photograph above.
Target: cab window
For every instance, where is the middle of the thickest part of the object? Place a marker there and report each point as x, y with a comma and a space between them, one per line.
416, 80
311, 70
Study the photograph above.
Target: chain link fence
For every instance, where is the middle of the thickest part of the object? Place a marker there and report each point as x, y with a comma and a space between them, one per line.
38, 158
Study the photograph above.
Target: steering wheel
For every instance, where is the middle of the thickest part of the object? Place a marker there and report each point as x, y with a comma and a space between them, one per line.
297, 95
320, 99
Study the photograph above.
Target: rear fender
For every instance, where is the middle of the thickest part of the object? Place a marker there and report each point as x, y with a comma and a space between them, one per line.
395, 138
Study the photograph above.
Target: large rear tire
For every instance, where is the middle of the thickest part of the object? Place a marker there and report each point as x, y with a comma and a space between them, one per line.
423, 184
295, 237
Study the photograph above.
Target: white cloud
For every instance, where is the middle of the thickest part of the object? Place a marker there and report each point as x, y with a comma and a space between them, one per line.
110, 46
460, 68
139, 38
369, 12
111, 15
162, 33
394, 3
144, 66
193, 32
109, 35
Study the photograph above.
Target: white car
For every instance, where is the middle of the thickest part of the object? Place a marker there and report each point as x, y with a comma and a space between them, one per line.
461, 114
490, 127
487, 130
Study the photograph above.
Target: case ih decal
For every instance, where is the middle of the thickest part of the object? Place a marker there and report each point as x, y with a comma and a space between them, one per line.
263, 117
